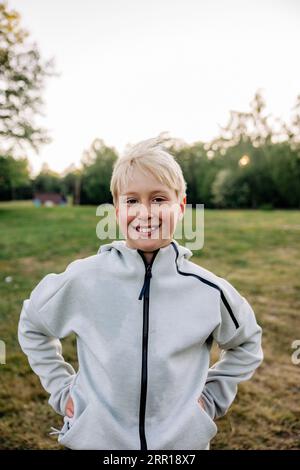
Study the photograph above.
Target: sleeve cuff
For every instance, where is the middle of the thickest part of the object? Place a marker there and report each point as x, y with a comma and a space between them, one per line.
59, 401
209, 404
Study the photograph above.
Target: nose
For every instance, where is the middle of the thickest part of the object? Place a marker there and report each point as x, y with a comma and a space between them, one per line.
144, 211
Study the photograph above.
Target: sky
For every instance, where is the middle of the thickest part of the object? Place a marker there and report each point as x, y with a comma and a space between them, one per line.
130, 69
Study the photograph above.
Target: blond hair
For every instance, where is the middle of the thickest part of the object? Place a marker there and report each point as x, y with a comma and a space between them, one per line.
148, 156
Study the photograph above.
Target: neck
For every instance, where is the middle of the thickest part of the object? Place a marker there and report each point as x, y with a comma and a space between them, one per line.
148, 256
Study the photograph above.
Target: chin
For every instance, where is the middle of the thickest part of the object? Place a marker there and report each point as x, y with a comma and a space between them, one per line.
147, 245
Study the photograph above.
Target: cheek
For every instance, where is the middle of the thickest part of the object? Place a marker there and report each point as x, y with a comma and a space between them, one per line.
168, 219
170, 216
125, 221
125, 216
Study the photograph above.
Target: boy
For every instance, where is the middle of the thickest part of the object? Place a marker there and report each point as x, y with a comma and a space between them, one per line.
144, 318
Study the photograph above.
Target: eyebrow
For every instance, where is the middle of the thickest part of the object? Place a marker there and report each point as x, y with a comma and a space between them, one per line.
162, 191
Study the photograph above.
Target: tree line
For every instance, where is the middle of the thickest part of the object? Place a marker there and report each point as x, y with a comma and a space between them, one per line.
254, 162
243, 175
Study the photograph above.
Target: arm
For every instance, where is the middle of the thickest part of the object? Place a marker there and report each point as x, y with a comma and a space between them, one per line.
239, 337
40, 341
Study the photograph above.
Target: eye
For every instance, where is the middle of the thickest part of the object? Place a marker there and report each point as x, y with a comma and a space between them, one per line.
131, 201
159, 199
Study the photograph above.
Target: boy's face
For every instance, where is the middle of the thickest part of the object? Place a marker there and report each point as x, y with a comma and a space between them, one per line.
147, 212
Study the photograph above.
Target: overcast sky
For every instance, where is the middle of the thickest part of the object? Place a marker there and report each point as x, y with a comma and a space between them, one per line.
133, 68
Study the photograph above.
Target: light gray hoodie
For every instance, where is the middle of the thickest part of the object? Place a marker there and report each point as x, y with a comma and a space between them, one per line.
144, 334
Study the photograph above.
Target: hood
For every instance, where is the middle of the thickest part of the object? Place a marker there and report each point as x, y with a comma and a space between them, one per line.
120, 245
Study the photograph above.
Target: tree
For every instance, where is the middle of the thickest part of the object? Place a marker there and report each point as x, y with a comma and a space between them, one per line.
198, 171
285, 173
254, 127
47, 181
292, 130
97, 165
71, 183
22, 77
14, 178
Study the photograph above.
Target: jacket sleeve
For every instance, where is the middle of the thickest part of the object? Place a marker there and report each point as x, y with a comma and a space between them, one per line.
44, 319
239, 338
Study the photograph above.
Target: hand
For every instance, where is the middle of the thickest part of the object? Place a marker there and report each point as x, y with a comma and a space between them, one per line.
70, 408
201, 403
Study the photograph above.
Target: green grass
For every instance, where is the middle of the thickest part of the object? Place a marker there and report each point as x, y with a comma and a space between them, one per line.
257, 251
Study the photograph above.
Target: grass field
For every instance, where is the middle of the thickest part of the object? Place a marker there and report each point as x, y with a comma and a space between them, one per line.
257, 251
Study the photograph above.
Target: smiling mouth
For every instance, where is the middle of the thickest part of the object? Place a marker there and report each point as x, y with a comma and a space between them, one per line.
147, 229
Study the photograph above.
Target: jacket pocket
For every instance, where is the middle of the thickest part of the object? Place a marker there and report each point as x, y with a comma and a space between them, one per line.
188, 427
74, 429
212, 428
97, 428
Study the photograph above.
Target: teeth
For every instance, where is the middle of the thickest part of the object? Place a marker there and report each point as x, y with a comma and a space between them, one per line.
146, 230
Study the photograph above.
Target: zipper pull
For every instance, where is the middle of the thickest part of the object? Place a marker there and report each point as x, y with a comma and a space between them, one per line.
148, 271
148, 276
142, 291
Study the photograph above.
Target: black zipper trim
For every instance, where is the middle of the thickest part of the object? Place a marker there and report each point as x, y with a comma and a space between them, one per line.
209, 283
144, 294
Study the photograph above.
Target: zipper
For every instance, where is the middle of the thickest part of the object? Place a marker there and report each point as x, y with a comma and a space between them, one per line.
144, 294
145, 288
